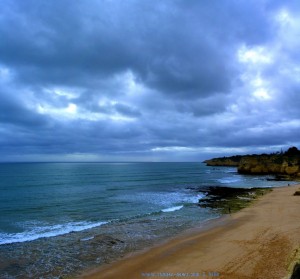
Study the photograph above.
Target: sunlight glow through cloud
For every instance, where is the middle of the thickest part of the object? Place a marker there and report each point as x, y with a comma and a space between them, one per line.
261, 93
256, 55
72, 108
284, 17
5, 73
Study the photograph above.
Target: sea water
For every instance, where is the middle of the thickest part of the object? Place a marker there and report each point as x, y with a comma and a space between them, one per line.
57, 219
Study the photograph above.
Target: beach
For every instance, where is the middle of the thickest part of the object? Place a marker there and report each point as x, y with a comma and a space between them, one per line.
260, 241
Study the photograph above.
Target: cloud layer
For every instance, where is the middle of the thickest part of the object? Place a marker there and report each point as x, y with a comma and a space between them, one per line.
147, 80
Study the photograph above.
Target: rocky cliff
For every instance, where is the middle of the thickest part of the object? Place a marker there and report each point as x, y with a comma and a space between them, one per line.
269, 165
286, 164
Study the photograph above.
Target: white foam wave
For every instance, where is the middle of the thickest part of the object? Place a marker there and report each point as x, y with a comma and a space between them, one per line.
87, 238
171, 209
194, 199
47, 231
227, 180
163, 199
230, 170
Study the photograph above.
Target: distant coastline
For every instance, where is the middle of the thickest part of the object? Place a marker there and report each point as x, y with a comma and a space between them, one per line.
284, 165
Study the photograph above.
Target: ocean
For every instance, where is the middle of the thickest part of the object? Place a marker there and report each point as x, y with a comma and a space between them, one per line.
59, 219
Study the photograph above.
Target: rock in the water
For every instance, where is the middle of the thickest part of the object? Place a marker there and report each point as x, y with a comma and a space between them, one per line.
228, 200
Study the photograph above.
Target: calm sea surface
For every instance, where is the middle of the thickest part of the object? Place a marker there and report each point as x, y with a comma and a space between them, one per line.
58, 219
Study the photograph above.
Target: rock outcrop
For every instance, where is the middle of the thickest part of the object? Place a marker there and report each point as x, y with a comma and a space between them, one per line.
227, 199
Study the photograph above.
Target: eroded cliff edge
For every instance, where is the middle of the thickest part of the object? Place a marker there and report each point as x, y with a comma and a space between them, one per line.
284, 165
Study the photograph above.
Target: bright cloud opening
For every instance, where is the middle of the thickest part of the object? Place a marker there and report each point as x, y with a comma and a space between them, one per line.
284, 17
5, 73
255, 55
261, 94
72, 108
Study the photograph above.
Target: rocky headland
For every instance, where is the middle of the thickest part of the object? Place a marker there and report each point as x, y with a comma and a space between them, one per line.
232, 161
284, 165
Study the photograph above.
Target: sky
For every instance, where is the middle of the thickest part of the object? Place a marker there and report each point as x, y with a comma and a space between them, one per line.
148, 80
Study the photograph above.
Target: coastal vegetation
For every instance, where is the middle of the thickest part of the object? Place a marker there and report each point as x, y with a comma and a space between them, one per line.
284, 165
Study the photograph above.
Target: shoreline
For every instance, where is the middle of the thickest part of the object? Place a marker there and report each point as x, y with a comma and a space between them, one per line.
260, 241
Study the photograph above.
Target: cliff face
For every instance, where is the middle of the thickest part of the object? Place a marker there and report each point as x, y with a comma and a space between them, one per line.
281, 164
275, 164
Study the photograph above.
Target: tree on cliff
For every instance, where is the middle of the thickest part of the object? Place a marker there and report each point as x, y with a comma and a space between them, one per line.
292, 152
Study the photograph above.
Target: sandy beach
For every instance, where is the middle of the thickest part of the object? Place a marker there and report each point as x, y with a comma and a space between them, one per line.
261, 241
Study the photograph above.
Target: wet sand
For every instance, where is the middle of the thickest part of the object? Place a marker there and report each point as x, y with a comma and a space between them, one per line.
260, 241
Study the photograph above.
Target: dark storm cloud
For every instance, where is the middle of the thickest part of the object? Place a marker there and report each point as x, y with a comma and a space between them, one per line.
176, 47
13, 112
138, 77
